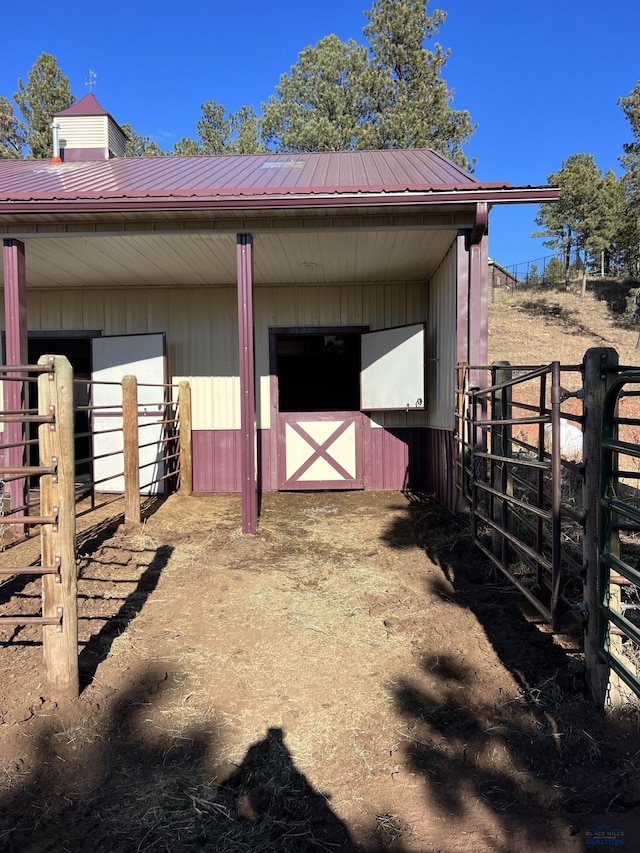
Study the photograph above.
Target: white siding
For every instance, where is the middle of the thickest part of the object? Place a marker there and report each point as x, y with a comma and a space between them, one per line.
200, 325
441, 343
117, 140
202, 339
83, 131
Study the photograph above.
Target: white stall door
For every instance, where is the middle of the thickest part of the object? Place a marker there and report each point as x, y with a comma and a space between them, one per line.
393, 369
142, 356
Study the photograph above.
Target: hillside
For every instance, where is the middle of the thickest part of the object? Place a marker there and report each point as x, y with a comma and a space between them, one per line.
536, 326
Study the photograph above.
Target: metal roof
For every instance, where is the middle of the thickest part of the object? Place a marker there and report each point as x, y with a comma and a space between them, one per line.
87, 106
249, 180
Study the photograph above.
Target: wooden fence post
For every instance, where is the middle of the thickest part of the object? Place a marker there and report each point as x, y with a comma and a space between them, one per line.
58, 539
596, 381
186, 452
131, 447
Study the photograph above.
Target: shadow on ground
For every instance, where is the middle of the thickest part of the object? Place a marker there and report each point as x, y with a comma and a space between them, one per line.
96, 649
146, 786
554, 313
539, 762
24, 592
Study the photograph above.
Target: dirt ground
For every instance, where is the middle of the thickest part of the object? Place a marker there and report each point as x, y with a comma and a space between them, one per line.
352, 678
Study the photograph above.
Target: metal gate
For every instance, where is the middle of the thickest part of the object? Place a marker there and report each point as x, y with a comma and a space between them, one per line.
561, 522
512, 476
618, 592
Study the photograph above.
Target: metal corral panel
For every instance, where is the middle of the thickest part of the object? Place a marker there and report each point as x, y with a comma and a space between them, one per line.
441, 343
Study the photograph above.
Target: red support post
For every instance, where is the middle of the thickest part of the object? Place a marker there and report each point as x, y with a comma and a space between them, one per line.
478, 291
15, 394
478, 307
247, 385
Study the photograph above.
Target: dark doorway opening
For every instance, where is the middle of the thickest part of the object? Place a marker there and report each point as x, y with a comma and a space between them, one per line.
318, 370
77, 348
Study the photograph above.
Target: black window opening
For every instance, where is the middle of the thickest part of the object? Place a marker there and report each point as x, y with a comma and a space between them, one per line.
318, 372
77, 349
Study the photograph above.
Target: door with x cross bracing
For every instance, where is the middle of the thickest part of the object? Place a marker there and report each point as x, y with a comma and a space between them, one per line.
320, 450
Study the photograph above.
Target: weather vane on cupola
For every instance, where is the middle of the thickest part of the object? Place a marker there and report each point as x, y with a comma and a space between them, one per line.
91, 80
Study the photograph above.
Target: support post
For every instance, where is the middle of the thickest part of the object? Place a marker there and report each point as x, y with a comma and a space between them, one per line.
186, 446
478, 317
462, 300
596, 381
131, 447
249, 485
15, 395
58, 539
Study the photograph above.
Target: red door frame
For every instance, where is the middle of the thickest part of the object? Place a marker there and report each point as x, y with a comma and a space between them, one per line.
276, 415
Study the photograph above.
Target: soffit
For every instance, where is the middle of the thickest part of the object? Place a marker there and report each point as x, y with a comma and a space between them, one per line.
209, 259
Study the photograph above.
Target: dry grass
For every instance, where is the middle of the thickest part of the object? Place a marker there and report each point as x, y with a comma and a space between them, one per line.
561, 325
534, 326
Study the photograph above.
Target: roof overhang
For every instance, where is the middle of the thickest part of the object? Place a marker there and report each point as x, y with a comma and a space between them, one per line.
183, 201
184, 238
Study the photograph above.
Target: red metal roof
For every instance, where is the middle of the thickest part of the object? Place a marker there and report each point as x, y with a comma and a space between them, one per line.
87, 106
237, 180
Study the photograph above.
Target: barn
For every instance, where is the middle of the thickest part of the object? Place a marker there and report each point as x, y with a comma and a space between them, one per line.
317, 302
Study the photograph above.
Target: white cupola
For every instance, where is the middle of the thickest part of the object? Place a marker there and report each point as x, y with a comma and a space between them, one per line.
85, 131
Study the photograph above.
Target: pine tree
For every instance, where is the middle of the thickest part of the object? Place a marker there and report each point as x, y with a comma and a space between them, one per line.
631, 181
213, 128
12, 135
584, 218
321, 104
413, 103
342, 95
245, 133
46, 92
140, 146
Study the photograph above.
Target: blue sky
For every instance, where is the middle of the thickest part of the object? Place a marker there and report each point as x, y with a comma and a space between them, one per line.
541, 80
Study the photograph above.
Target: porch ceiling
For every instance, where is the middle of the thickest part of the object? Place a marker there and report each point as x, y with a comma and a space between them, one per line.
201, 259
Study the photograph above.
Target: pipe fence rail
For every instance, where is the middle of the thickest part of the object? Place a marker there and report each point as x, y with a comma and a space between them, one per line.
45, 483
56, 520
548, 466
521, 491
16, 501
